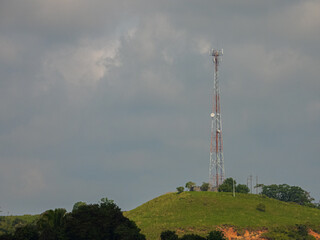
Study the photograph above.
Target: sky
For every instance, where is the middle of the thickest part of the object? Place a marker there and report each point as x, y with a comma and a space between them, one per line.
112, 98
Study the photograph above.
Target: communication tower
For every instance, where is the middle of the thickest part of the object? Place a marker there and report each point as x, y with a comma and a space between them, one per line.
216, 169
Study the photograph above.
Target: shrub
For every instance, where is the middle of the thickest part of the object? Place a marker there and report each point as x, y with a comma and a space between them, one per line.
204, 186
180, 189
190, 185
261, 207
242, 188
216, 235
169, 235
192, 237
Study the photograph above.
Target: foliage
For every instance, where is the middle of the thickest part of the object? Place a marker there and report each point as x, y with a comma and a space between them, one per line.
203, 210
190, 185
51, 224
297, 232
169, 235
106, 201
8, 224
180, 189
204, 186
261, 207
6, 236
242, 188
89, 222
77, 205
227, 185
192, 237
104, 221
28, 232
287, 193
216, 235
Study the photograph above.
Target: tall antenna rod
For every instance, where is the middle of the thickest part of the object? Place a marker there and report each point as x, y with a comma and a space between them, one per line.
216, 169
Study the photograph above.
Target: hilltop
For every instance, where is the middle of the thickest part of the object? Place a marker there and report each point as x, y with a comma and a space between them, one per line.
202, 212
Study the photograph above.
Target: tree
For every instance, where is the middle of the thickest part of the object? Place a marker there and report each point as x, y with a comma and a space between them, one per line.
51, 224
190, 185
242, 188
7, 236
287, 193
204, 186
99, 222
227, 185
216, 235
77, 205
106, 201
28, 232
180, 189
192, 237
169, 235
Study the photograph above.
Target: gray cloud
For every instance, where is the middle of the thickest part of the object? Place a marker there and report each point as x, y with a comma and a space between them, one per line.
113, 98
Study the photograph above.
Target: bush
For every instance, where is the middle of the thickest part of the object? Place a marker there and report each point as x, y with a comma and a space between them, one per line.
100, 221
204, 186
192, 237
190, 185
287, 193
169, 235
227, 185
216, 235
180, 189
261, 207
242, 188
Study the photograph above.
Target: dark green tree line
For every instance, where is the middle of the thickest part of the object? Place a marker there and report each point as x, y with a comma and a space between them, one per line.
171, 235
227, 186
103, 221
286, 193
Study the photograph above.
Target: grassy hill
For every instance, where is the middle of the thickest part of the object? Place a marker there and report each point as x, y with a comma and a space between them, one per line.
201, 212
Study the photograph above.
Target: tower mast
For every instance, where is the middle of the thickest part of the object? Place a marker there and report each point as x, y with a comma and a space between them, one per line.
216, 169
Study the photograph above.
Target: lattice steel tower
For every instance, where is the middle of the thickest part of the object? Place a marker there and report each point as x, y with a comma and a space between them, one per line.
216, 169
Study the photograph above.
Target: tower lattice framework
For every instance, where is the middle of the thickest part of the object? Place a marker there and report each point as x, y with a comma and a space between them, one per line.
216, 169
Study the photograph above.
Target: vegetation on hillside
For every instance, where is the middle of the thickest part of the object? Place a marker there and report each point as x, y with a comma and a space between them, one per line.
171, 235
286, 193
228, 185
8, 224
297, 232
86, 222
201, 212
197, 214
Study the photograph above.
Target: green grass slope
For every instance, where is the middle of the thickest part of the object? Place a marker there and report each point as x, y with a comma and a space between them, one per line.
201, 212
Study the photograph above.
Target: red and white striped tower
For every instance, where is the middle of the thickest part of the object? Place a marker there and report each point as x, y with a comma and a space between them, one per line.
216, 169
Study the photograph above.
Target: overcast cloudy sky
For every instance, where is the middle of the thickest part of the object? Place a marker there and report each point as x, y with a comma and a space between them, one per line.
112, 98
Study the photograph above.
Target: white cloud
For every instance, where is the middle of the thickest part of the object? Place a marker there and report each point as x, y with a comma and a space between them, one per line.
96, 86
203, 45
80, 68
85, 64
